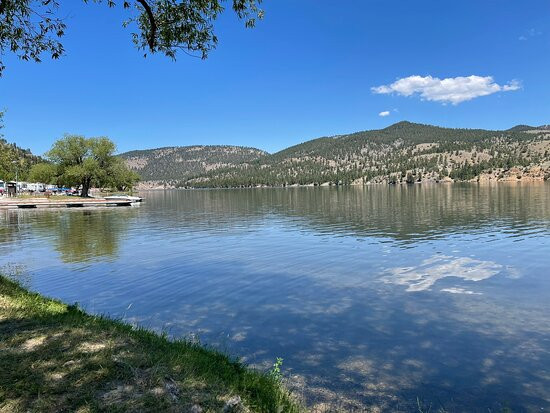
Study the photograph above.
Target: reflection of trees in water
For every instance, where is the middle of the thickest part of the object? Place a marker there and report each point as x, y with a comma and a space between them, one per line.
77, 235
371, 344
88, 234
403, 212
368, 342
419, 211
9, 225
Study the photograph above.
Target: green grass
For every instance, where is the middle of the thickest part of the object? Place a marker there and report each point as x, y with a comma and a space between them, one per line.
55, 357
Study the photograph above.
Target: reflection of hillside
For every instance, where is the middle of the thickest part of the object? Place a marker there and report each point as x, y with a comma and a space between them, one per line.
421, 211
79, 235
403, 212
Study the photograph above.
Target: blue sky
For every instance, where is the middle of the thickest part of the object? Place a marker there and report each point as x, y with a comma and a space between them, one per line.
309, 69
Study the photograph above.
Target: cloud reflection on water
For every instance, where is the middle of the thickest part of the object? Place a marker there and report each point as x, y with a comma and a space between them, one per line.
304, 274
438, 267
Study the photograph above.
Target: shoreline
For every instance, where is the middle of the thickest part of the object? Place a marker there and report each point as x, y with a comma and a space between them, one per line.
532, 173
353, 185
54, 357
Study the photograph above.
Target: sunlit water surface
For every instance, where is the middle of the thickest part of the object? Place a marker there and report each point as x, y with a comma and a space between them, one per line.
381, 296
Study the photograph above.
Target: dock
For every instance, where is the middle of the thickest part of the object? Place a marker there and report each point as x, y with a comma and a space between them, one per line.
31, 203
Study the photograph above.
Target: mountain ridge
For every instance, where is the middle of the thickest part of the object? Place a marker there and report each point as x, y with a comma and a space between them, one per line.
404, 152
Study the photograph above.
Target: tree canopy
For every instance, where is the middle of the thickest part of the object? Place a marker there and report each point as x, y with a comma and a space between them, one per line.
31, 28
43, 172
85, 162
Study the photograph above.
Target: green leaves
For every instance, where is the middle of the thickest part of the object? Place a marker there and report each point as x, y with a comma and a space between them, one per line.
30, 28
43, 172
275, 372
68, 151
121, 177
25, 35
84, 162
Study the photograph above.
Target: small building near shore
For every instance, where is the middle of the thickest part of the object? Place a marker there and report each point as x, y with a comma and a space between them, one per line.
11, 188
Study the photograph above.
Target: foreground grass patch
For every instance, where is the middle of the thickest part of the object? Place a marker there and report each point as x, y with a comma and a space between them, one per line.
55, 357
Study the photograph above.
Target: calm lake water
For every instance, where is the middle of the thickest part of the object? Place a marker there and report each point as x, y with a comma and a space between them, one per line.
378, 296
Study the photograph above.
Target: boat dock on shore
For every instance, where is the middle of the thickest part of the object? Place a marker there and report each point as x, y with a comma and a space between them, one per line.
31, 203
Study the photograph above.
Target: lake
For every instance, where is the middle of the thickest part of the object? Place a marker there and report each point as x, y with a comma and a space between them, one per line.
386, 297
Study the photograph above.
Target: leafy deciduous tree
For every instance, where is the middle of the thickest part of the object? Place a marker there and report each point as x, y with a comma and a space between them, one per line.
43, 172
84, 162
30, 28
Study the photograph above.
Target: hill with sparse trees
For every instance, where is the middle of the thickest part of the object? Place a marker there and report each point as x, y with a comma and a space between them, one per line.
174, 164
13, 159
402, 153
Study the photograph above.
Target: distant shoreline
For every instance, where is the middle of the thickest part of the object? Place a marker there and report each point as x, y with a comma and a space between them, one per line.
482, 180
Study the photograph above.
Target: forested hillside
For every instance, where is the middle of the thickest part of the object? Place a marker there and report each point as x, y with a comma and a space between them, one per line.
13, 159
404, 152
178, 163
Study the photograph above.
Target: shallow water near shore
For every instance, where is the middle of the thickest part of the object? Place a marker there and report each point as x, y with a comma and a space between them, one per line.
388, 297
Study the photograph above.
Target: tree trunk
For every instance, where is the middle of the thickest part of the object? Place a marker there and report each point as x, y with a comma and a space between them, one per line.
85, 188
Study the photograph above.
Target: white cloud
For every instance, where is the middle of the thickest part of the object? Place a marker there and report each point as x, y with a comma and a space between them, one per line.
384, 113
449, 90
